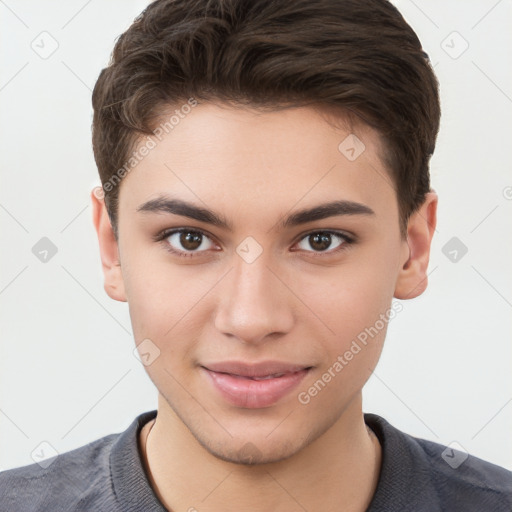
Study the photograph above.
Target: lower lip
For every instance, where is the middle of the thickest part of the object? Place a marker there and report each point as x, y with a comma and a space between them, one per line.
254, 394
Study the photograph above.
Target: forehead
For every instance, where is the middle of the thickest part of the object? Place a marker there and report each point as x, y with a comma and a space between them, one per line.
244, 158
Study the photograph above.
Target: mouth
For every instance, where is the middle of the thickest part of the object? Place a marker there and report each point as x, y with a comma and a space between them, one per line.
254, 386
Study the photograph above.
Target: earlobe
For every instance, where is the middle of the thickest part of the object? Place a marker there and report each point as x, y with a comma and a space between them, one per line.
109, 250
412, 279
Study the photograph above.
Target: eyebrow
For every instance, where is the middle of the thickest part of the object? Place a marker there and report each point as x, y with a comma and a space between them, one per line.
163, 204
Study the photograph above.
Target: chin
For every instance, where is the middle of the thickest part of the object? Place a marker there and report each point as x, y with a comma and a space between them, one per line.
254, 441
251, 455
251, 450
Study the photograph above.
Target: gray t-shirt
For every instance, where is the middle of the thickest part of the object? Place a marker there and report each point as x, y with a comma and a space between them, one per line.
107, 475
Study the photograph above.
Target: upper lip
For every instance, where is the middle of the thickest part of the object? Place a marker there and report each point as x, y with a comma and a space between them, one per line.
261, 369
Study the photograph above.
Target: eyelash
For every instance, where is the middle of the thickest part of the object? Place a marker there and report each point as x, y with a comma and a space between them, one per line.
347, 240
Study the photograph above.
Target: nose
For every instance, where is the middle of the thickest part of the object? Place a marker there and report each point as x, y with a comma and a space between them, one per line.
254, 303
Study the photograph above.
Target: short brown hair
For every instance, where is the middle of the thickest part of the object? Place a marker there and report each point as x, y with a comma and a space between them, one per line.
359, 55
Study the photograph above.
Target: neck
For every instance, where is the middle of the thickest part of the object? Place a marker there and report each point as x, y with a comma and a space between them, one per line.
337, 471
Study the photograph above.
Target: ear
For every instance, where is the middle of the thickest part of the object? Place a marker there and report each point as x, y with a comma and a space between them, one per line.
109, 250
412, 278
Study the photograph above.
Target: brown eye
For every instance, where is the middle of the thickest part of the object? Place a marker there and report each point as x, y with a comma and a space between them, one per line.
321, 241
190, 241
186, 240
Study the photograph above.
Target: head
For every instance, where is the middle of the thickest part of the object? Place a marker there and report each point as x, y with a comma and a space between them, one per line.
292, 142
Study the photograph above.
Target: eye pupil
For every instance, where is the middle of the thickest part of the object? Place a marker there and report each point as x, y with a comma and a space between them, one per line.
190, 240
320, 241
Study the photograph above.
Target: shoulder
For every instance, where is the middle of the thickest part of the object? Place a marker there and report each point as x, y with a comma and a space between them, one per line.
465, 480
69, 481
436, 477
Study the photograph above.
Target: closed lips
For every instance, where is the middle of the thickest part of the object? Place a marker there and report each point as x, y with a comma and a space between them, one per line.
257, 371
254, 385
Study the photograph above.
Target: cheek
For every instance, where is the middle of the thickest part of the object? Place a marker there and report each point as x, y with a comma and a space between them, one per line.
166, 308
351, 297
354, 301
358, 311
163, 298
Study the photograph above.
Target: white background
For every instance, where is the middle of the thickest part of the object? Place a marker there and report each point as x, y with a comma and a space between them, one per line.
67, 372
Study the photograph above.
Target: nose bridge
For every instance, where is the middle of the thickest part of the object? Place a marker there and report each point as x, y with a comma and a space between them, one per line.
253, 302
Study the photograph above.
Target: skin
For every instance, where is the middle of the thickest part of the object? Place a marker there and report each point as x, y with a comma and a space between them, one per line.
294, 303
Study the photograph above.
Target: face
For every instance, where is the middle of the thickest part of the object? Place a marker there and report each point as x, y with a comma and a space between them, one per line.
255, 253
